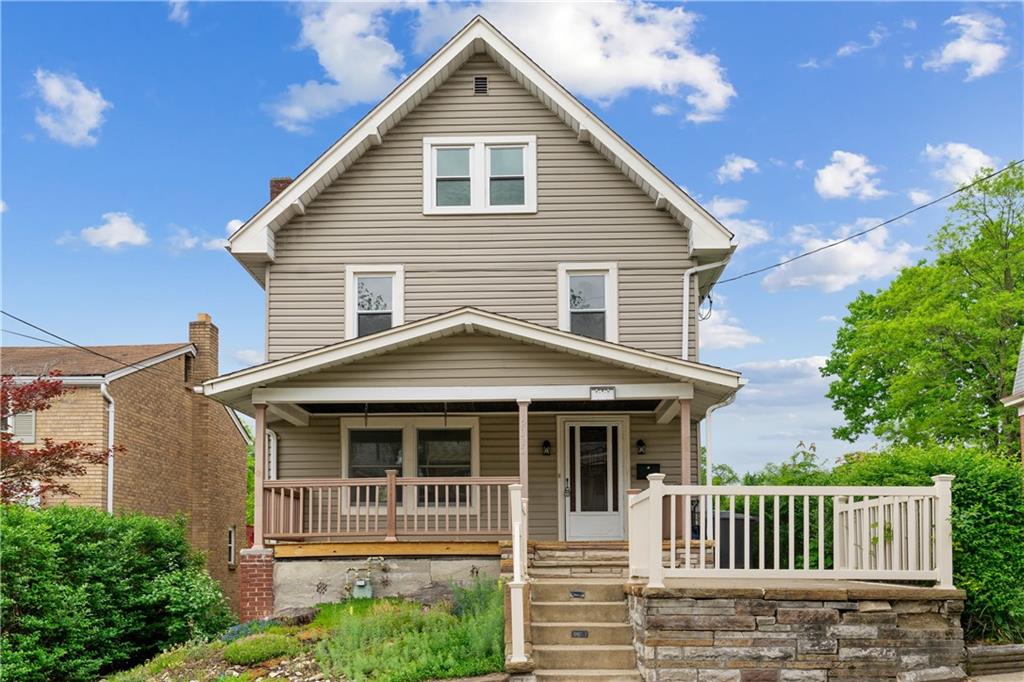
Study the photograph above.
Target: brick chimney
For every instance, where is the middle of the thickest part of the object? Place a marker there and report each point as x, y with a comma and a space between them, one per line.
278, 185
204, 335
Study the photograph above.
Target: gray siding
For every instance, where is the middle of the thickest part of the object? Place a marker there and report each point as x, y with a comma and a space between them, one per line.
587, 211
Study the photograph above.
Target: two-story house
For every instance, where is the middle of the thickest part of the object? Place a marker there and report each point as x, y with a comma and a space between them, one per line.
171, 451
480, 284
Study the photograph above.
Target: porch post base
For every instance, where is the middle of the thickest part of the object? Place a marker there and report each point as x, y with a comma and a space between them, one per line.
256, 569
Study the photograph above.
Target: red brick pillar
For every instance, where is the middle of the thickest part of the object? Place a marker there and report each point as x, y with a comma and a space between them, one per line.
257, 584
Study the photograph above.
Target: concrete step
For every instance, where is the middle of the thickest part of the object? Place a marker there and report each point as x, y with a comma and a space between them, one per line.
582, 633
579, 612
579, 589
586, 657
587, 675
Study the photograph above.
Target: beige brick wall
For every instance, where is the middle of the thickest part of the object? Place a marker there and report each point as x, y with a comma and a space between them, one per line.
79, 415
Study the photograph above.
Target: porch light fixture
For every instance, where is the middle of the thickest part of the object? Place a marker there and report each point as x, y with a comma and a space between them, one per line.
545, 448
641, 447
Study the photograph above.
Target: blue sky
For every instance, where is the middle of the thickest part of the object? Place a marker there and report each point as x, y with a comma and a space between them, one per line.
133, 133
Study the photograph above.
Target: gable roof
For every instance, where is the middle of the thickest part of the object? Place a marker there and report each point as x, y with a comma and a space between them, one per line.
253, 243
236, 386
88, 361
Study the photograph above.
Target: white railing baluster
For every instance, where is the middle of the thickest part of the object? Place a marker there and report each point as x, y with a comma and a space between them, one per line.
776, 545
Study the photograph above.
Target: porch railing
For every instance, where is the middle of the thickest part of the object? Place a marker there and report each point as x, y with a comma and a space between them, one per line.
387, 508
865, 533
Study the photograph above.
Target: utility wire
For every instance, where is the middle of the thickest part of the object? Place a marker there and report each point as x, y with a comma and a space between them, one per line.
81, 347
29, 336
870, 229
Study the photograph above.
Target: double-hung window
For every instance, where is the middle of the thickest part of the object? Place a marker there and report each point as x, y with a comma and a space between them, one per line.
588, 300
480, 174
371, 452
374, 299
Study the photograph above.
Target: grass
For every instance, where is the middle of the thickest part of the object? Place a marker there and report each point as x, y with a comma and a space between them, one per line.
261, 647
395, 641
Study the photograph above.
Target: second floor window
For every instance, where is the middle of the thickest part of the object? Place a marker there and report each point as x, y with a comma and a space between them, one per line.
480, 174
588, 300
373, 299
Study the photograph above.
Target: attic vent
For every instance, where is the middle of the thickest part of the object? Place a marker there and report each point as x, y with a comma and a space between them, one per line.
479, 85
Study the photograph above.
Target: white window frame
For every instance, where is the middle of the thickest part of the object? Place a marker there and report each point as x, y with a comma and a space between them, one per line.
611, 295
479, 173
232, 546
409, 426
12, 427
352, 272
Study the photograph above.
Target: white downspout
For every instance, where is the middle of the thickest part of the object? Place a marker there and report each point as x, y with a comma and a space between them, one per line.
110, 446
708, 477
686, 301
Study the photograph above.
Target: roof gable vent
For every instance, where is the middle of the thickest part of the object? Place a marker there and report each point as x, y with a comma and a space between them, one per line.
479, 85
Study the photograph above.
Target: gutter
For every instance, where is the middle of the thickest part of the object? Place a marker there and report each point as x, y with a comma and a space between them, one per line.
110, 446
686, 301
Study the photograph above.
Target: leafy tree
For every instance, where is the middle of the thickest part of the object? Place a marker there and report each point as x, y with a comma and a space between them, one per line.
927, 359
27, 472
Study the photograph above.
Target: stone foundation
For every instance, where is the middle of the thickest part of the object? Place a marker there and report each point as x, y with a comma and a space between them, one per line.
308, 582
837, 631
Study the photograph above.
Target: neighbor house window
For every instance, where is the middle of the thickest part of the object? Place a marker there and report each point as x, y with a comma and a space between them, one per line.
373, 299
232, 546
21, 426
480, 174
588, 300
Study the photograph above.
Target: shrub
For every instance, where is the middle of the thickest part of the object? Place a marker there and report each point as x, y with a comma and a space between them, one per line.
83, 592
988, 526
258, 648
405, 642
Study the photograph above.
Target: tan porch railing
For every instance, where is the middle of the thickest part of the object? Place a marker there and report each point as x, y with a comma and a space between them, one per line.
389, 508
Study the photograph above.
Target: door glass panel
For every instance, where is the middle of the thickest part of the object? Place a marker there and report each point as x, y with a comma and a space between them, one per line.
594, 469
615, 467
572, 468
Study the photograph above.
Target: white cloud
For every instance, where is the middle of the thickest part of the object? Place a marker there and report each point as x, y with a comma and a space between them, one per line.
875, 38
3, 206
908, 61
910, 24
748, 231
73, 113
249, 357
182, 240
218, 244
919, 196
663, 109
734, 167
849, 174
179, 12
811, 63
870, 257
798, 164
981, 44
117, 230
957, 162
828, 318
723, 330
601, 50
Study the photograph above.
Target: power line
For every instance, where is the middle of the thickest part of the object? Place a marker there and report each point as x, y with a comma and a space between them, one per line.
80, 346
29, 336
870, 229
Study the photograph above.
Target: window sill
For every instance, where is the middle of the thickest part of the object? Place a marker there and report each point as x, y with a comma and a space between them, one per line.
469, 210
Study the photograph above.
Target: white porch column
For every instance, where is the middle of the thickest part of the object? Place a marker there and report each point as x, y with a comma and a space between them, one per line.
524, 464
260, 455
684, 439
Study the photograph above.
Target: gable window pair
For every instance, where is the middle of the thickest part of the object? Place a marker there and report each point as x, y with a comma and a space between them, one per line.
374, 298
480, 174
588, 300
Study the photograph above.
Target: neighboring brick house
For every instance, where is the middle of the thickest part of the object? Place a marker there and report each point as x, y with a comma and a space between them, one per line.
181, 452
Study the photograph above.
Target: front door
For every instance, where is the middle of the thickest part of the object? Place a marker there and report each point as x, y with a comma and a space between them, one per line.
593, 481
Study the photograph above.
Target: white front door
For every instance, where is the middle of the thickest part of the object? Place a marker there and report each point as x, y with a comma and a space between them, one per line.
593, 485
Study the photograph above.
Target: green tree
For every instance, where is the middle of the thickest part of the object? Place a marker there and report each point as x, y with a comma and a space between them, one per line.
927, 359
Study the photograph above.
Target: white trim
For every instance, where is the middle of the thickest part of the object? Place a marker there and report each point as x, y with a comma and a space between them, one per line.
563, 421
232, 546
388, 394
246, 436
255, 239
470, 320
271, 455
479, 173
397, 273
22, 426
611, 295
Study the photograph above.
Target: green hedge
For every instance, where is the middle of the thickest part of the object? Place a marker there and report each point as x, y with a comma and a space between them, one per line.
83, 593
988, 525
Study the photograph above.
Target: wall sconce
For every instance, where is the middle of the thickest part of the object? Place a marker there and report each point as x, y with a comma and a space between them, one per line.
545, 448
641, 447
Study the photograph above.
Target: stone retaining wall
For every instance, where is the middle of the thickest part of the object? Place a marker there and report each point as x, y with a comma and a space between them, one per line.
856, 632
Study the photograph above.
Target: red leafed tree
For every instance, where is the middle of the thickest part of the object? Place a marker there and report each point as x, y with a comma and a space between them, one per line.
28, 472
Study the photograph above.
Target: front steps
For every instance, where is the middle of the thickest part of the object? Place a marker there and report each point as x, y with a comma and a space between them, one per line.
581, 630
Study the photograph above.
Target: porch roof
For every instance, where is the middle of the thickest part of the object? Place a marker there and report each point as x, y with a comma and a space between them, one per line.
673, 377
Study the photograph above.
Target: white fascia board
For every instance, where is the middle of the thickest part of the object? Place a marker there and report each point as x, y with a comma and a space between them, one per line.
469, 320
255, 236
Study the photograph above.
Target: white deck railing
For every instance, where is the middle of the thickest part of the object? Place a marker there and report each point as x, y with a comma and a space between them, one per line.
864, 533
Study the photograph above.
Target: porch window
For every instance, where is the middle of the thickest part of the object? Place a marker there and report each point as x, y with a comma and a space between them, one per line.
444, 453
588, 300
480, 174
374, 299
371, 452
